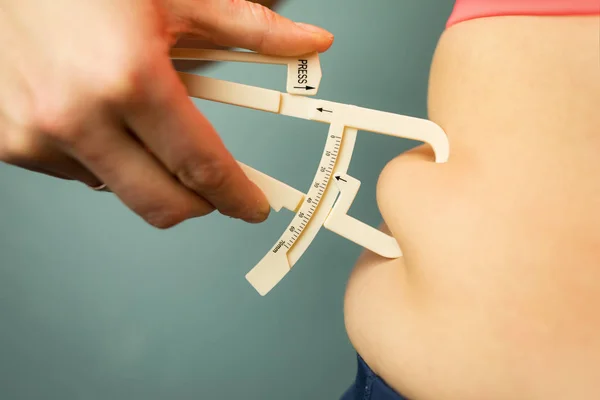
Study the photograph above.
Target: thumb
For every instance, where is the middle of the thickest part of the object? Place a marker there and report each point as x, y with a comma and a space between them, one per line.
252, 26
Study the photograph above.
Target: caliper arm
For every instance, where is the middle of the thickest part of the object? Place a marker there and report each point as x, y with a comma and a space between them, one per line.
329, 198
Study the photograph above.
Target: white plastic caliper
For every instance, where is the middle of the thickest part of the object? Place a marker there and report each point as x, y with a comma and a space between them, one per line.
318, 207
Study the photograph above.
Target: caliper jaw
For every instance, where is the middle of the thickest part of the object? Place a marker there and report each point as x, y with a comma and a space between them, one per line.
354, 230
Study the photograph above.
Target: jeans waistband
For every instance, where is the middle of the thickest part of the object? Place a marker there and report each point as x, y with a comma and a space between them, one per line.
368, 386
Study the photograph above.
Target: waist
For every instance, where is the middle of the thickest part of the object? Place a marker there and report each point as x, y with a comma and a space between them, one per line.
498, 295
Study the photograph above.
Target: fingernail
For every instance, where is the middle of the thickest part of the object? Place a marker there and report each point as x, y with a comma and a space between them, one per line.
262, 208
314, 29
259, 216
261, 213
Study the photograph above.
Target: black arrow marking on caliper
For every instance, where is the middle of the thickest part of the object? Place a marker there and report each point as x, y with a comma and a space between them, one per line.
304, 87
339, 178
321, 109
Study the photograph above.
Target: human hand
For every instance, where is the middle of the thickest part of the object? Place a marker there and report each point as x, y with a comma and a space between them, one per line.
89, 93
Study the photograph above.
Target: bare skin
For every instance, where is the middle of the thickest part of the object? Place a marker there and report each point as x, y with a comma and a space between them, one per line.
89, 94
498, 294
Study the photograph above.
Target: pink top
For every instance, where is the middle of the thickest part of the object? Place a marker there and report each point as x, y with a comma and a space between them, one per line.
471, 9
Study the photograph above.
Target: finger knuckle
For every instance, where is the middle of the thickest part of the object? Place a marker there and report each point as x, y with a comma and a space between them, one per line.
52, 110
132, 74
122, 82
58, 116
60, 122
18, 145
262, 13
266, 19
204, 176
18, 128
19, 114
23, 137
165, 217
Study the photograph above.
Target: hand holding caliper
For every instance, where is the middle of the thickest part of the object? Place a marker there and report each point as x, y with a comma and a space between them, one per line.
89, 94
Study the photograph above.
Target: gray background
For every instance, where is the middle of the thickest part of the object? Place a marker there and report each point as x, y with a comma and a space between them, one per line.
95, 304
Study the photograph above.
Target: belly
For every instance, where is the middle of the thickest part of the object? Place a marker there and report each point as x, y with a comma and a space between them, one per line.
497, 295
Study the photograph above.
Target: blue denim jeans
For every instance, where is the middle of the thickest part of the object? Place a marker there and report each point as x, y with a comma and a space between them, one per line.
368, 386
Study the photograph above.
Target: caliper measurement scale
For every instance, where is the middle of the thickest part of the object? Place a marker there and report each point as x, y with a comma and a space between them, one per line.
332, 191
314, 195
312, 213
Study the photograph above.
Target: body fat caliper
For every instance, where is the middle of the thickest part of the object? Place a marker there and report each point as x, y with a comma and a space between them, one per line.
332, 191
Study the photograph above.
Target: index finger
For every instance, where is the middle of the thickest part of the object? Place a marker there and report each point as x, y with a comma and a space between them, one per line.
166, 120
252, 26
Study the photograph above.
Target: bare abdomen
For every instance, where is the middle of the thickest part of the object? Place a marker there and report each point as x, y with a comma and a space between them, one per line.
498, 295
